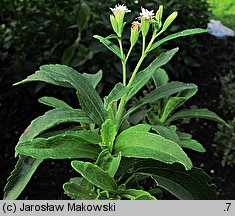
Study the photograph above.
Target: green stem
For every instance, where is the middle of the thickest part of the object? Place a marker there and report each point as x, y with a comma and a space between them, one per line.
128, 54
143, 55
123, 63
143, 44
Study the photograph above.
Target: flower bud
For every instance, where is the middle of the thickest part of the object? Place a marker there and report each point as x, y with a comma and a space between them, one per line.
135, 31
146, 18
158, 23
169, 20
119, 12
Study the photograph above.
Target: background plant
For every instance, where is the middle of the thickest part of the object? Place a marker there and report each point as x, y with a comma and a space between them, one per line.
225, 144
225, 137
104, 133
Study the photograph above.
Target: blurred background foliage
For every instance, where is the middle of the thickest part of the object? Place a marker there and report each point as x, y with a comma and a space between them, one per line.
224, 10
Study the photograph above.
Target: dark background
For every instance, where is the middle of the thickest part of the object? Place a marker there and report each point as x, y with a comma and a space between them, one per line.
33, 33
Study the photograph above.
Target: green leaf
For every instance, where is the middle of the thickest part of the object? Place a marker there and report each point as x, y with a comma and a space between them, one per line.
108, 162
134, 194
169, 20
197, 113
137, 116
176, 35
20, 176
172, 104
183, 135
136, 128
79, 188
162, 92
95, 175
141, 144
63, 75
26, 166
72, 144
193, 145
160, 77
69, 52
143, 76
83, 15
108, 133
78, 192
111, 46
54, 102
167, 133
117, 93
43, 77
94, 79
52, 118
194, 184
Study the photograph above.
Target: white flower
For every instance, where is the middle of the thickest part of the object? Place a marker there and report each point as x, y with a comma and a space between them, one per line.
146, 14
120, 8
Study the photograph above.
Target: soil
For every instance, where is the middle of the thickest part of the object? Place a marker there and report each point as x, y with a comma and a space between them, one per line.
19, 107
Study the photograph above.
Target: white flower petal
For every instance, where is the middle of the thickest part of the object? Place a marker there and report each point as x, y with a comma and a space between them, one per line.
146, 14
121, 8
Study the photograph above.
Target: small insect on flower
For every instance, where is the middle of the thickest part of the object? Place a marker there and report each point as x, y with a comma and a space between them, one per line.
146, 14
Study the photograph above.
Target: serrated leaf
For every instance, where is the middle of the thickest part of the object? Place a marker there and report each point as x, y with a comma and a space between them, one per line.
108, 133
139, 144
194, 184
54, 102
72, 144
94, 79
111, 46
197, 113
77, 191
95, 175
193, 145
143, 76
167, 133
22, 173
63, 75
51, 119
43, 77
134, 194
176, 35
108, 162
20, 176
117, 93
162, 92
160, 77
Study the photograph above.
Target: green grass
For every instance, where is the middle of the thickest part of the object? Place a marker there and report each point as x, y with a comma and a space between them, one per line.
224, 10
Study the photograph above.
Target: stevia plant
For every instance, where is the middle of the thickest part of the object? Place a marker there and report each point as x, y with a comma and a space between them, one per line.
112, 149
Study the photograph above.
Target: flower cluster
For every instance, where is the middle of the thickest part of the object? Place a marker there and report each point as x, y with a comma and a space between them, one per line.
146, 19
